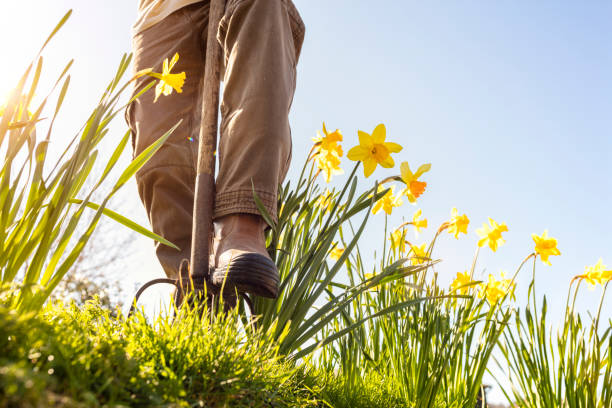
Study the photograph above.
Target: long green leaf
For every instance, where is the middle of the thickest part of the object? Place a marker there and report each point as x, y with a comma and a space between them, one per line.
127, 223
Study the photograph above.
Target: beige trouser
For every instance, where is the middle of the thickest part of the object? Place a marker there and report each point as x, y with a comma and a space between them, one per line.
261, 42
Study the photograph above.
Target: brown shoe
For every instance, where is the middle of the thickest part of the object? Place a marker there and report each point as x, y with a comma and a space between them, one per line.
240, 258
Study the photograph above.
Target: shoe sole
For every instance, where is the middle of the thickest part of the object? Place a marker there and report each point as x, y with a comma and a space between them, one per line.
250, 273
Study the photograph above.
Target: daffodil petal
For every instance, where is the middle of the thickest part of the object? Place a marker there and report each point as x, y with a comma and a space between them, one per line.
405, 172
388, 162
377, 206
369, 165
158, 91
358, 153
422, 169
174, 60
393, 147
379, 134
365, 140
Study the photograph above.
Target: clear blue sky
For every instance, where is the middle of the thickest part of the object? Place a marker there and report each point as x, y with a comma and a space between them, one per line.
511, 102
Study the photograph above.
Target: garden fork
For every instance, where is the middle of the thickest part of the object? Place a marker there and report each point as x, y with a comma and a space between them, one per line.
193, 277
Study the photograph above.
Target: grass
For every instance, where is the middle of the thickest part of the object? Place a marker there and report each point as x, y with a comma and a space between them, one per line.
72, 357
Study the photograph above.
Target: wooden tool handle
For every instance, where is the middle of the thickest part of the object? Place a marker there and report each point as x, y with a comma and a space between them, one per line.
203, 205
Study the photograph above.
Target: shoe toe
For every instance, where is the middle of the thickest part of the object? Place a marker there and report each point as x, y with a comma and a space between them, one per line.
248, 272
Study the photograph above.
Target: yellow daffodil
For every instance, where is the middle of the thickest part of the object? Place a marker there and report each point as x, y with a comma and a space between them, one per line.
387, 202
491, 235
491, 290
330, 142
458, 223
168, 81
373, 150
325, 201
419, 255
414, 187
336, 253
545, 246
417, 222
460, 282
327, 152
494, 289
398, 241
596, 274
329, 164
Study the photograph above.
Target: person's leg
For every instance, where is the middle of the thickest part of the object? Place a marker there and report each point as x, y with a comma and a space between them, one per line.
166, 182
261, 41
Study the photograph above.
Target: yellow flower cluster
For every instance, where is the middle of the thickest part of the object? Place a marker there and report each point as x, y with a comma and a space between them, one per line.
327, 152
491, 234
419, 254
596, 274
373, 150
388, 201
461, 283
494, 289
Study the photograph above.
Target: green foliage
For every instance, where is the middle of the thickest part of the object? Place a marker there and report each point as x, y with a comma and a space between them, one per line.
571, 368
435, 352
42, 228
300, 243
